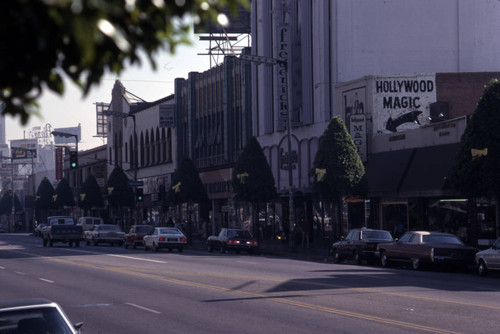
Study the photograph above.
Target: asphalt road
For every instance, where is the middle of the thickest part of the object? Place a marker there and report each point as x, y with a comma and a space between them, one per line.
116, 290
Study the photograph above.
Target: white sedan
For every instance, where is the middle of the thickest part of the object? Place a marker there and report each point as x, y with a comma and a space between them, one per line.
165, 237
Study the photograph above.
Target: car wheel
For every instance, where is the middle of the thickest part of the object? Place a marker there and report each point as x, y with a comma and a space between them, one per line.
44, 242
77, 243
155, 247
357, 257
223, 249
180, 249
134, 245
88, 243
210, 249
70, 244
51, 243
125, 245
482, 269
336, 256
145, 247
416, 264
384, 260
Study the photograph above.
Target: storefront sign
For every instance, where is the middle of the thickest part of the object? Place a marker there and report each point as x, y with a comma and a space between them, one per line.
402, 102
355, 118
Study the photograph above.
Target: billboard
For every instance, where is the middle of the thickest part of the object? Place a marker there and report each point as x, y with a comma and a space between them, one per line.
24, 150
60, 140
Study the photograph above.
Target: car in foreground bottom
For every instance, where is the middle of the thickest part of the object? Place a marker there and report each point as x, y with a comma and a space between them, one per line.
488, 259
165, 237
35, 315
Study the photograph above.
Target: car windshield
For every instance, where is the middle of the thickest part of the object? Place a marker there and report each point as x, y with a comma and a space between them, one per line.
109, 228
239, 234
441, 239
143, 229
40, 320
379, 235
170, 231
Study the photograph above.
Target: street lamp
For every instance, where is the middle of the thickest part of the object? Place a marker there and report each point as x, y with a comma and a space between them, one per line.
284, 63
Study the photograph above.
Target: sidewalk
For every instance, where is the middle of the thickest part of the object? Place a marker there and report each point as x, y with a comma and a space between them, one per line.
317, 251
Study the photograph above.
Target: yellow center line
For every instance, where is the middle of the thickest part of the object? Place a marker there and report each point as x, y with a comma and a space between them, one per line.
266, 297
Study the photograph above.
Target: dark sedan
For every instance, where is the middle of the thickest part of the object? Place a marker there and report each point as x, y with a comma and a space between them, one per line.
421, 247
232, 239
360, 245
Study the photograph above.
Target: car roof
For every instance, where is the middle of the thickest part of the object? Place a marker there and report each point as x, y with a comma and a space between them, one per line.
25, 302
431, 233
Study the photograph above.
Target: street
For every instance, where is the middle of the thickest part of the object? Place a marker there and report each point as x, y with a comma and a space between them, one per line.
117, 290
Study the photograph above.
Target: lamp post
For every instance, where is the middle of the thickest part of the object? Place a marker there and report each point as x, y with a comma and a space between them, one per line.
284, 63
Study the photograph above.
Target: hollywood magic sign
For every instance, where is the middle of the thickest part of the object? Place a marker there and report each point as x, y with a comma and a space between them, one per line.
402, 102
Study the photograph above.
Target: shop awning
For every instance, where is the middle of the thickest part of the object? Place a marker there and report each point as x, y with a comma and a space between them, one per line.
385, 172
416, 172
428, 172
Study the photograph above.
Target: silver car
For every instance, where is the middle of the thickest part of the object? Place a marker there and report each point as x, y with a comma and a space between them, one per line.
35, 316
488, 259
164, 237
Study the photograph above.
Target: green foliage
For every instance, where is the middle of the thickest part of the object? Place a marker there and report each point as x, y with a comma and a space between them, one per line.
479, 176
44, 199
252, 178
186, 185
46, 41
337, 157
64, 195
119, 194
90, 194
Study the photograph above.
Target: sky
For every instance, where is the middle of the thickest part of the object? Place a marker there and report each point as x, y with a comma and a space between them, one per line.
150, 85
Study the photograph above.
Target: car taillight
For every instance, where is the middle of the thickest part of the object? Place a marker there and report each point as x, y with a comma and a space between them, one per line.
161, 239
183, 239
252, 243
230, 241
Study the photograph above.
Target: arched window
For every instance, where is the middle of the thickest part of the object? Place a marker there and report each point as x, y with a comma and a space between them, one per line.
163, 146
146, 148
142, 149
131, 152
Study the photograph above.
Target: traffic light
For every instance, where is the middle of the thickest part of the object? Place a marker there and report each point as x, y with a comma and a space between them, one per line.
73, 159
139, 194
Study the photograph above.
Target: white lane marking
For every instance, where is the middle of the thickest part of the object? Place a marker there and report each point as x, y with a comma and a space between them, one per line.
143, 308
46, 280
136, 258
245, 262
115, 255
19, 272
2, 267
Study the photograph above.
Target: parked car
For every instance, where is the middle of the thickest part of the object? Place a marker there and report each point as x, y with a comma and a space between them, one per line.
29, 316
61, 229
232, 239
107, 233
488, 259
135, 235
421, 247
87, 223
2, 228
360, 245
165, 237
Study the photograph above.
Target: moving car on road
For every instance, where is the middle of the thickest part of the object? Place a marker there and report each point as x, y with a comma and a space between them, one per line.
30, 316
488, 259
232, 239
360, 245
107, 233
165, 237
135, 235
422, 247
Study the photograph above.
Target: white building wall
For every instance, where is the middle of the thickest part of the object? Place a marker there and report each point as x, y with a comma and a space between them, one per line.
353, 39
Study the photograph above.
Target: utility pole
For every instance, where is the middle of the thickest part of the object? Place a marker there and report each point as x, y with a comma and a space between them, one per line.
284, 64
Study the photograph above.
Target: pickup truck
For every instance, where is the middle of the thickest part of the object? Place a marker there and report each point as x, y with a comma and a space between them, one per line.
61, 229
232, 239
